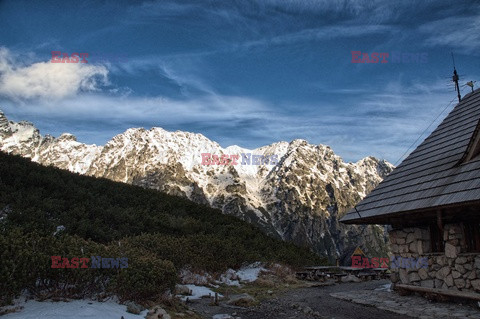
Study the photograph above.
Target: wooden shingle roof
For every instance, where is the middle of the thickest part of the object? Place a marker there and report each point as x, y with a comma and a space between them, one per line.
434, 175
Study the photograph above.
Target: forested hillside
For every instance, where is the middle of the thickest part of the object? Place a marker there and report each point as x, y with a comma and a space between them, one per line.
45, 211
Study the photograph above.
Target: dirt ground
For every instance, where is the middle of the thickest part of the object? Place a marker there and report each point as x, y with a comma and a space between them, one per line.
299, 303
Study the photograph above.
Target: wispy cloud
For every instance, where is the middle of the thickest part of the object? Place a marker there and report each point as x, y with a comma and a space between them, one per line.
323, 33
461, 34
382, 124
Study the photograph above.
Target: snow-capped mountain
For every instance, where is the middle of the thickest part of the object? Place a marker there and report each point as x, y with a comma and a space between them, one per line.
300, 198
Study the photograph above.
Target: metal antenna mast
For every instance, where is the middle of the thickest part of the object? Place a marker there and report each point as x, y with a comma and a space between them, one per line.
455, 79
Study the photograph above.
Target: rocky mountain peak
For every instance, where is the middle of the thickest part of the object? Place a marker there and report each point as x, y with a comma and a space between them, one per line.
67, 137
299, 197
4, 125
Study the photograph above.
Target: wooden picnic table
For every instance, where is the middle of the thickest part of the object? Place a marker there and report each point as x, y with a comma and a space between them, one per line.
337, 272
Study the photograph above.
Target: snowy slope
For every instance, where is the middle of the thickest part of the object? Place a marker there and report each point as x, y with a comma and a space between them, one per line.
74, 309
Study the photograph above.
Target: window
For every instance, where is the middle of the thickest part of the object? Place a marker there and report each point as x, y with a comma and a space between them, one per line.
472, 236
436, 239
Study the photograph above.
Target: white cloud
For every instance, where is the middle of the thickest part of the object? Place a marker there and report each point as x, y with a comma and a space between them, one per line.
46, 80
381, 124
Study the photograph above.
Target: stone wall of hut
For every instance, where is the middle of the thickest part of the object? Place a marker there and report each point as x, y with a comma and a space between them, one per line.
453, 269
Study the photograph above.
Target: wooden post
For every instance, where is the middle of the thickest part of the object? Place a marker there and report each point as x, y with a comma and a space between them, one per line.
439, 220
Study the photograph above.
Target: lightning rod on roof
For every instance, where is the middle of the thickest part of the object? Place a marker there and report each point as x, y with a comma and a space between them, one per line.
455, 79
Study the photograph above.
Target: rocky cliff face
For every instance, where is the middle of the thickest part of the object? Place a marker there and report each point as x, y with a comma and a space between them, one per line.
299, 199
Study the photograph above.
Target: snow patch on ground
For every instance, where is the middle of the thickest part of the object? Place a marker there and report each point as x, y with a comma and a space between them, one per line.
85, 309
198, 292
250, 273
386, 287
229, 278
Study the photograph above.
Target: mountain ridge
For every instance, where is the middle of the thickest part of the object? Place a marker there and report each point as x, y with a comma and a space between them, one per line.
300, 199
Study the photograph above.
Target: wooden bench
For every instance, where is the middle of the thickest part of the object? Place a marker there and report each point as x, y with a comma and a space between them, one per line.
443, 292
311, 276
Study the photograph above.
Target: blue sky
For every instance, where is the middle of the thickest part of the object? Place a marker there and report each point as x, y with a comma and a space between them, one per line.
245, 72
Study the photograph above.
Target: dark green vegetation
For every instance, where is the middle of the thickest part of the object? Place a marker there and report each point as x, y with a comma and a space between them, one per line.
158, 233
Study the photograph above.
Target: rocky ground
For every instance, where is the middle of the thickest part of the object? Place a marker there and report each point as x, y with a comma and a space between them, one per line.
413, 305
346, 300
308, 302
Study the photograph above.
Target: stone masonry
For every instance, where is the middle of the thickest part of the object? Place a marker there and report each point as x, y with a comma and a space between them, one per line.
453, 269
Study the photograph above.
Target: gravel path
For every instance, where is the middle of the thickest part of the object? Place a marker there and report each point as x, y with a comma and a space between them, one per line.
314, 302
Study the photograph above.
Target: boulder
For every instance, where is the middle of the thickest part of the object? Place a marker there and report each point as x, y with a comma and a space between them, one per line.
422, 247
451, 251
423, 273
401, 234
453, 241
471, 275
412, 277
476, 284
442, 273
157, 312
392, 237
413, 247
133, 307
441, 260
477, 262
394, 248
449, 281
410, 238
460, 283
460, 268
